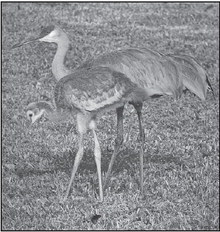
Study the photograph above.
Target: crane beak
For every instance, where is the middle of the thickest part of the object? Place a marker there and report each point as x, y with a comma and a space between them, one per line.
25, 42
45, 36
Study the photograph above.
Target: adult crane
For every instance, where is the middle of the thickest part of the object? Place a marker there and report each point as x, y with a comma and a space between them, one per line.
193, 75
139, 65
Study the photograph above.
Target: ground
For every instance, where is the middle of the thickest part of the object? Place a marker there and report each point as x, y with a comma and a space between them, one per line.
181, 160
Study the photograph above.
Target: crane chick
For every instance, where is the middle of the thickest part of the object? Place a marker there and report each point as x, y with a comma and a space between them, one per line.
87, 93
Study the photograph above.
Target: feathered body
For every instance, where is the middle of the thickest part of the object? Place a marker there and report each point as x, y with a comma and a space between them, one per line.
93, 90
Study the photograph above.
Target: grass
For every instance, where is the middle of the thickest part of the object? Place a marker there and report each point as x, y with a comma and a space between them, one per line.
181, 162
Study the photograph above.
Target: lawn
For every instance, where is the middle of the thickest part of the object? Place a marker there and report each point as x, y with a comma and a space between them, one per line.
181, 161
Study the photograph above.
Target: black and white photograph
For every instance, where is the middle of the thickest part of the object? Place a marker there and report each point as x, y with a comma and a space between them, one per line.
109, 115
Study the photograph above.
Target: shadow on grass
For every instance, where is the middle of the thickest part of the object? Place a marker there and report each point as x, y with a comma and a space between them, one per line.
25, 172
127, 159
63, 163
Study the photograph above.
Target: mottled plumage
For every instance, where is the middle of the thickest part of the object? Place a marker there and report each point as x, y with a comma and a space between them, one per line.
93, 90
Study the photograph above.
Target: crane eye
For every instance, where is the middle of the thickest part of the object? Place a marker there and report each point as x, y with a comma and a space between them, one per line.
30, 114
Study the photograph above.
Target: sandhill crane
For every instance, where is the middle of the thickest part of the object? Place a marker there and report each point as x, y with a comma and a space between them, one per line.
89, 92
124, 60
141, 66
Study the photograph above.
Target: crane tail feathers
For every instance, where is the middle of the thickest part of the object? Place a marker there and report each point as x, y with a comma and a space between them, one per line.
210, 86
193, 75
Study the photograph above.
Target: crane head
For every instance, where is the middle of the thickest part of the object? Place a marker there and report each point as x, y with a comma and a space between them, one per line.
51, 34
34, 112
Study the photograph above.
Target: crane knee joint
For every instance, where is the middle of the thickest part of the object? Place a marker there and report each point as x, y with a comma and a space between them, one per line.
118, 141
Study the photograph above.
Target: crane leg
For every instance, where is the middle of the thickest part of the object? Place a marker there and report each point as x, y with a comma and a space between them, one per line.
138, 107
82, 128
78, 158
97, 153
118, 142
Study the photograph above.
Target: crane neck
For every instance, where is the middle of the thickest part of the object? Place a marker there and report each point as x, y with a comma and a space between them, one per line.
58, 68
55, 115
47, 109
